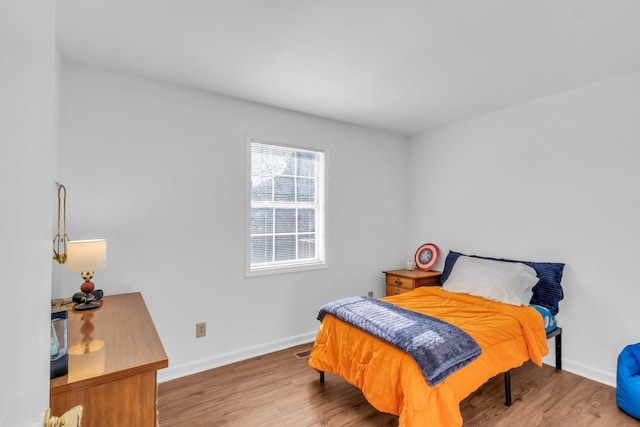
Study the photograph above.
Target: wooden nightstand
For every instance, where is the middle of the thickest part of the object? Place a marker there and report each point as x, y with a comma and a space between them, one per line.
399, 281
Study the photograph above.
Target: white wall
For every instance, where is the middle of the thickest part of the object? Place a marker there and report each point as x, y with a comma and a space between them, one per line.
155, 168
27, 85
159, 171
552, 180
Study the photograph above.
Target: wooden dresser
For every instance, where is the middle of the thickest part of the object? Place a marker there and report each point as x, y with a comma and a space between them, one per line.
114, 353
399, 281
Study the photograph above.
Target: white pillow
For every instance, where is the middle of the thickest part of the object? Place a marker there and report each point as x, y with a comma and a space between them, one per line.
529, 275
507, 282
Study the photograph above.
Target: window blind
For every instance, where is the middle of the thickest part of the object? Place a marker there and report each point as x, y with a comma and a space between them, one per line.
287, 206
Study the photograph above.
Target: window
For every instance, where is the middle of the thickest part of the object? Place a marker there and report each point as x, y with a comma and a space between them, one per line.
286, 221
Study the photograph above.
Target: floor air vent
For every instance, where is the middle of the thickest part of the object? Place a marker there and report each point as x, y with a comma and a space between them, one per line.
303, 354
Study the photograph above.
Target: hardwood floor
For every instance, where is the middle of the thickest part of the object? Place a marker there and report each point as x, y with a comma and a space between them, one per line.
279, 390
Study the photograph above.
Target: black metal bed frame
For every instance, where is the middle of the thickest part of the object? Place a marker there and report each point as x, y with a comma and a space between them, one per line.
557, 333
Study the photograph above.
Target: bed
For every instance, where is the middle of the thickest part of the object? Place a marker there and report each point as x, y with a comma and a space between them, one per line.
508, 334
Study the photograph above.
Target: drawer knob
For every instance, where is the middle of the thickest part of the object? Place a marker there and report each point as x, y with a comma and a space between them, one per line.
398, 282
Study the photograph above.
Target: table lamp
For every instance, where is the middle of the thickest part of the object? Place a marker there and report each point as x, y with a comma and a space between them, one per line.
86, 256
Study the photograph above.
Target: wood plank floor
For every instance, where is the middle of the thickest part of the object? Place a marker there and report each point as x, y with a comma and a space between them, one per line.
279, 390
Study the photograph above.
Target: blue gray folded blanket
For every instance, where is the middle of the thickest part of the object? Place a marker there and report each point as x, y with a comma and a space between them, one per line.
439, 348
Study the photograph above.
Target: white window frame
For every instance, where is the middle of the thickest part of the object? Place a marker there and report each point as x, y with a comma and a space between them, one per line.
279, 267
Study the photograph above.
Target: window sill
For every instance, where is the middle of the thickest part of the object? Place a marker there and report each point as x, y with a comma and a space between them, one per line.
269, 271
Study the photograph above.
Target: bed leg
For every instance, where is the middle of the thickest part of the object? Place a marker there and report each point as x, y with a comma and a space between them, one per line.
559, 351
507, 387
557, 334
321, 377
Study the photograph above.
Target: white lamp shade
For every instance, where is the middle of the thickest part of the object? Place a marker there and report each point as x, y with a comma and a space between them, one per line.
86, 255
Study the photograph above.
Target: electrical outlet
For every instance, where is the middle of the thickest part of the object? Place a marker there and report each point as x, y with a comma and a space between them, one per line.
201, 329
370, 293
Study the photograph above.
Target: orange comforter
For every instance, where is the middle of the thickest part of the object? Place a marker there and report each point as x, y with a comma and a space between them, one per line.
391, 380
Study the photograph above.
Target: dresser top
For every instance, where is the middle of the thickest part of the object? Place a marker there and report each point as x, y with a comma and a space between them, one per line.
104, 344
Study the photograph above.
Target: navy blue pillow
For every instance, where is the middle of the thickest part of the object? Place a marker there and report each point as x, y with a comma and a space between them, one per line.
547, 292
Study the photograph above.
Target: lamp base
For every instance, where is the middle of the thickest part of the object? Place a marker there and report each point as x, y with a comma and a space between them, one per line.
90, 305
87, 301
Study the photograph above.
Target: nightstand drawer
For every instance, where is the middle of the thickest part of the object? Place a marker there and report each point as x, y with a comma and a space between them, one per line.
400, 282
395, 290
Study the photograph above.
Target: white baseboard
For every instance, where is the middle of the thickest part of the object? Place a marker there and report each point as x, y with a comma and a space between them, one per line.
589, 372
178, 371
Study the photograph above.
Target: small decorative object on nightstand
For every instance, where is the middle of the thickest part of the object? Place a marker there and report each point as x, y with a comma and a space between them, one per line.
426, 256
399, 281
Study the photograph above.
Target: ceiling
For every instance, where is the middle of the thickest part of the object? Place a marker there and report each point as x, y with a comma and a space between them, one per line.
399, 65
